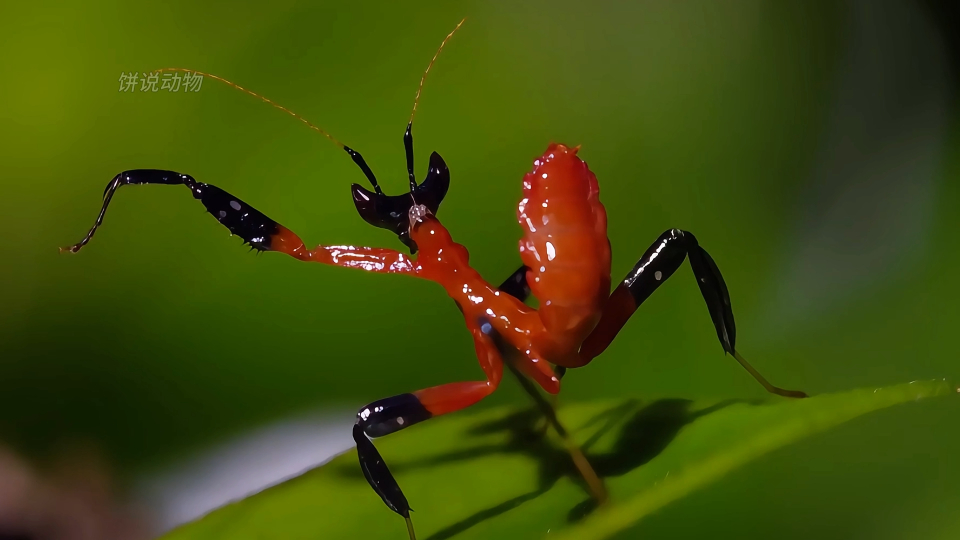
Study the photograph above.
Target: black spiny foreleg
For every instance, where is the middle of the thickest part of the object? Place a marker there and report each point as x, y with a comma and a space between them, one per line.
659, 262
242, 219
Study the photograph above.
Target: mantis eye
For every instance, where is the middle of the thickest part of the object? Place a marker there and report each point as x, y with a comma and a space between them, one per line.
392, 212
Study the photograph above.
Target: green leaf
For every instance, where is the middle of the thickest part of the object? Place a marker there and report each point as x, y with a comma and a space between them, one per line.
493, 474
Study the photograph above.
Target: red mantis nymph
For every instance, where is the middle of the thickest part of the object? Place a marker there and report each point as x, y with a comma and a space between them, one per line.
566, 266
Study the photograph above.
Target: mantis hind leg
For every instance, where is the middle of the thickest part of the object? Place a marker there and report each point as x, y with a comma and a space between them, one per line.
658, 263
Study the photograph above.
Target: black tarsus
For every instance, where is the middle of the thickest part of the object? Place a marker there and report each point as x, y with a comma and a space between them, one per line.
383, 417
378, 475
240, 218
657, 264
715, 293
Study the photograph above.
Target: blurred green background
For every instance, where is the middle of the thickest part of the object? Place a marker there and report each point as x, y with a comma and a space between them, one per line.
811, 147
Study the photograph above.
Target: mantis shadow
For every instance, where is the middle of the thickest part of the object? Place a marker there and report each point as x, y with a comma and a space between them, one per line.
646, 432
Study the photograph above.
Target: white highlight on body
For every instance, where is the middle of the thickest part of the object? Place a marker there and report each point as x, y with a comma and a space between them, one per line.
552, 252
531, 248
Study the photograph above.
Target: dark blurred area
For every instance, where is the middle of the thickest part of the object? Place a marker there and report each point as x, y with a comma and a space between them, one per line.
945, 15
74, 497
810, 146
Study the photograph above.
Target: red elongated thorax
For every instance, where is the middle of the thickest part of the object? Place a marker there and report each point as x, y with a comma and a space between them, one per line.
565, 245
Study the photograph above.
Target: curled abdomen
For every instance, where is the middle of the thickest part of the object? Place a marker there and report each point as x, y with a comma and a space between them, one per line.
565, 243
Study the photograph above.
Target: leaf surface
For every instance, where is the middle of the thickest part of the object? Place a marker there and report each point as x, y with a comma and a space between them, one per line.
495, 475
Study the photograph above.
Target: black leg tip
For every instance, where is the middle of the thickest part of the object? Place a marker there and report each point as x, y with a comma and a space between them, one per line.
378, 475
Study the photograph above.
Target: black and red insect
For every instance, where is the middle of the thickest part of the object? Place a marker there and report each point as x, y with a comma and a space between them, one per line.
566, 266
